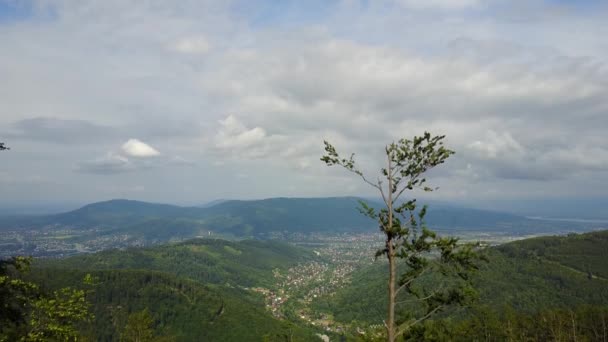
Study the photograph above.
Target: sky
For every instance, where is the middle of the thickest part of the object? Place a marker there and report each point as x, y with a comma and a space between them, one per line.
190, 101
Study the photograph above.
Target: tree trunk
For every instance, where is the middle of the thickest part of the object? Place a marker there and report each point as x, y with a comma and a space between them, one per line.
573, 326
604, 328
391, 257
390, 325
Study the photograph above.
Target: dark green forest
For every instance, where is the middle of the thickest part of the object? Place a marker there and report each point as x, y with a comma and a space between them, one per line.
181, 309
538, 286
192, 290
546, 288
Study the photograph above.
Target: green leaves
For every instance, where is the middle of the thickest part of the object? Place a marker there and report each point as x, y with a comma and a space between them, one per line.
55, 317
28, 314
332, 157
139, 327
367, 210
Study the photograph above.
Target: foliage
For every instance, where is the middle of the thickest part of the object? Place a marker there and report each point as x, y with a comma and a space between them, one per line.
583, 323
408, 238
181, 309
518, 290
28, 314
582, 252
521, 293
192, 290
15, 293
54, 318
3, 147
546, 273
139, 328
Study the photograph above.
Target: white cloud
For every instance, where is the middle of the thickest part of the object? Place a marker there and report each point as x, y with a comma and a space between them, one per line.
578, 158
439, 4
235, 140
234, 134
139, 149
521, 99
192, 45
111, 163
496, 145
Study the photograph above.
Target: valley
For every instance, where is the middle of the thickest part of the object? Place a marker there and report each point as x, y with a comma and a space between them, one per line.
199, 278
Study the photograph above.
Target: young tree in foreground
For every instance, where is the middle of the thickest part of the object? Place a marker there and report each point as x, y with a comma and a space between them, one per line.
436, 269
28, 314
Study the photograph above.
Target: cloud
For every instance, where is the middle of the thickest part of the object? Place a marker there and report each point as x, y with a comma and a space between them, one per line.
61, 131
134, 155
192, 45
496, 145
234, 134
239, 141
139, 149
581, 158
344, 90
439, 4
180, 161
109, 164
519, 90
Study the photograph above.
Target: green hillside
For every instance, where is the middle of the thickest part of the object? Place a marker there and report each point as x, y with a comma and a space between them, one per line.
182, 309
244, 263
585, 253
527, 276
200, 289
196, 290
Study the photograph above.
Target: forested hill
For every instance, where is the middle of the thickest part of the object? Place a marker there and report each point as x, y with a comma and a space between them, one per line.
584, 253
240, 218
203, 288
527, 276
162, 222
199, 290
245, 263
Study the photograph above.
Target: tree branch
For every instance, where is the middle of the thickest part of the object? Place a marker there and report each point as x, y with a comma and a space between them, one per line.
404, 327
382, 191
409, 281
419, 299
357, 172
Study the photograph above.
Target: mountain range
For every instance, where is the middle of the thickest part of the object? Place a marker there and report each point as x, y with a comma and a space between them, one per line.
258, 218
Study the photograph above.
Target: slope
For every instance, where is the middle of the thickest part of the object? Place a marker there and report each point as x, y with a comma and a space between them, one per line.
183, 309
244, 263
195, 290
526, 275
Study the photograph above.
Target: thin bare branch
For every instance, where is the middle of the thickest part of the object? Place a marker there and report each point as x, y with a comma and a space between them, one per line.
409, 281
382, 191
417, 299
357, 172
407, 325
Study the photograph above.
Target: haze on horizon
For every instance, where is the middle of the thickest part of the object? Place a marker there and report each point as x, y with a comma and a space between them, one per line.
198, 100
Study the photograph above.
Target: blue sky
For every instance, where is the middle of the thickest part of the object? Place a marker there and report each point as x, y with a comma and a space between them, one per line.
190, 101
12, 11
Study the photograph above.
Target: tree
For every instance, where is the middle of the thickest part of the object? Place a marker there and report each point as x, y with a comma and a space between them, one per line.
3, 147
28, 314
427, 257
55, 317
15, 294
139, 327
